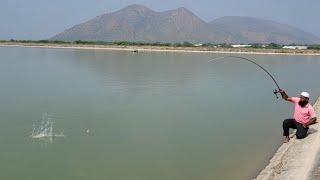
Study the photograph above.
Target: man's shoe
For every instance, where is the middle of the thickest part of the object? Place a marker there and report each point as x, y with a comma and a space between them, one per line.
286, 139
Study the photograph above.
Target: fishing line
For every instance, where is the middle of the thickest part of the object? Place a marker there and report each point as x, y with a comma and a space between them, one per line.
251, 61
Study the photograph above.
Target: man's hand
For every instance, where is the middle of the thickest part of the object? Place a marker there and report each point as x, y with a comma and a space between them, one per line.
284, 95
311, 122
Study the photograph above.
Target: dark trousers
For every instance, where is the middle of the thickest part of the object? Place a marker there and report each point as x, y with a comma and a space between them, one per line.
292, 123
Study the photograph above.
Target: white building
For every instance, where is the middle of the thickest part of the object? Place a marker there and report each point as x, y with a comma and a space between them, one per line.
240, 45
295, 47
198, 44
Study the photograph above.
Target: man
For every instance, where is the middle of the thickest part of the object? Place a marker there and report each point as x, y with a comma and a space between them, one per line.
304, 115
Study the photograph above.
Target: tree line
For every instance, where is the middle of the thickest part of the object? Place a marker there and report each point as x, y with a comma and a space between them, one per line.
182, 44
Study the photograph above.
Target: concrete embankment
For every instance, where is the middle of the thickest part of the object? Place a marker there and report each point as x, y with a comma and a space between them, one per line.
295, 160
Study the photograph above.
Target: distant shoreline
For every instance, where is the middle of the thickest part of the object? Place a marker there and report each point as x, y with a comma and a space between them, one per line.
220, 50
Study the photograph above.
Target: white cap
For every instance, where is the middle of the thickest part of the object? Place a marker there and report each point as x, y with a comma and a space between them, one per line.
305, 94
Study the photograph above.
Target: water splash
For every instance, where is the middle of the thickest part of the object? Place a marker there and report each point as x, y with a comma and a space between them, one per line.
43, 129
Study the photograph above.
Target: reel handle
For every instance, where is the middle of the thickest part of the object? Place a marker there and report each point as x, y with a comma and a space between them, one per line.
275, 92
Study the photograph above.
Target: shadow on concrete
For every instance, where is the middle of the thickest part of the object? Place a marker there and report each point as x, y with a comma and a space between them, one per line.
311, 131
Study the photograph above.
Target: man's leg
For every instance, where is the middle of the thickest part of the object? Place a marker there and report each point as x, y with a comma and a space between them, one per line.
286, 125
301, 131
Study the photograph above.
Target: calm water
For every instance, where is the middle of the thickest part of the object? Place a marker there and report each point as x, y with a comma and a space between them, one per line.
149, 116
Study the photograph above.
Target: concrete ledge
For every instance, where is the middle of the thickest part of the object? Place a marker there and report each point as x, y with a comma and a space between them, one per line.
296, 159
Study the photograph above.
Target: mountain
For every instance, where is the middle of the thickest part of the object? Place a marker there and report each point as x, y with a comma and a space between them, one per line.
139, 23
253, 30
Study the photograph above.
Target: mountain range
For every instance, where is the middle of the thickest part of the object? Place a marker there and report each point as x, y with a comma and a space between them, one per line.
139, 23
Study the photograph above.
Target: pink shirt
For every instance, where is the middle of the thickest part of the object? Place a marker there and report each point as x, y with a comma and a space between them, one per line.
302, 114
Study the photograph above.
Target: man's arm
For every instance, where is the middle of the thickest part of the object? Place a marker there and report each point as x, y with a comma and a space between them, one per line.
284, 95
312, 121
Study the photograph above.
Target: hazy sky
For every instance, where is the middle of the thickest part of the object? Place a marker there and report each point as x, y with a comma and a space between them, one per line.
41, 19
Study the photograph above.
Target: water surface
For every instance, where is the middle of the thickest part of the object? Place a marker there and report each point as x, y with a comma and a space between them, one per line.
149, 115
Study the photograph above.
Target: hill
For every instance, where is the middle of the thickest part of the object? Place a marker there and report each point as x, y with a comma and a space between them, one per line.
139, 23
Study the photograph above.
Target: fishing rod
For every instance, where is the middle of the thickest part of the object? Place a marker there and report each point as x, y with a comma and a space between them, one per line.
275, 92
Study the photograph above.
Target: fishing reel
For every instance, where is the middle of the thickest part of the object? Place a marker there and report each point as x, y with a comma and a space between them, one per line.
275, 92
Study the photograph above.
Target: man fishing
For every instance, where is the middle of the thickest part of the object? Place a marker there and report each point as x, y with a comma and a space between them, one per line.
304, 115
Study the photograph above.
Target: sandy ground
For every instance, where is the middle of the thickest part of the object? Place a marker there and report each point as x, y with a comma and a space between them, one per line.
295, 160
168, 49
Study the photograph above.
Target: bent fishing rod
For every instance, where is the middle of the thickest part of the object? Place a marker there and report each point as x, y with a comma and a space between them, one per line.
275, 92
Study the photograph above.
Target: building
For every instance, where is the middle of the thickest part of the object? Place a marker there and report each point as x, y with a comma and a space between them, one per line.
198, 44
240, 45
295, 47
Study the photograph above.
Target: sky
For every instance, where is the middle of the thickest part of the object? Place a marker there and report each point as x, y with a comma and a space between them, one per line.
42, 19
